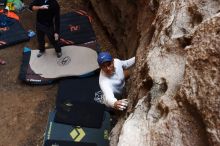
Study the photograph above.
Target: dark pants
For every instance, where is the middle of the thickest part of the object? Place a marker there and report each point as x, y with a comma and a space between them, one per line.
41, 31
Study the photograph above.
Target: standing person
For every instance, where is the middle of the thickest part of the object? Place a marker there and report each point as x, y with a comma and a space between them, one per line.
48, 22
112, 79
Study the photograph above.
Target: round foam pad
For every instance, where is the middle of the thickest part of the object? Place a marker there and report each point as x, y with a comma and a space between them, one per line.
75, 61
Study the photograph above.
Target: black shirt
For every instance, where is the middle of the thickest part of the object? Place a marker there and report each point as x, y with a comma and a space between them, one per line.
49, 17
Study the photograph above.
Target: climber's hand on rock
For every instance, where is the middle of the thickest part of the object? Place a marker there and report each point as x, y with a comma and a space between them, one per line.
121, 104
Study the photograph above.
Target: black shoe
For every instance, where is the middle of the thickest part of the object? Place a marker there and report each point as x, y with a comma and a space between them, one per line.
40, 54
59, 54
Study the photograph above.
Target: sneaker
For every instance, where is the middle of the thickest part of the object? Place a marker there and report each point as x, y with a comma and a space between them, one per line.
40, 54
59, 54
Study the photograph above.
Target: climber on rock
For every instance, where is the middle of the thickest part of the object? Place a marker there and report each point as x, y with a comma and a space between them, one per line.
112, 79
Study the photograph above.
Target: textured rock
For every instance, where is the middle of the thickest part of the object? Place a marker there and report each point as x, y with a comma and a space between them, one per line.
174, 92
201, 86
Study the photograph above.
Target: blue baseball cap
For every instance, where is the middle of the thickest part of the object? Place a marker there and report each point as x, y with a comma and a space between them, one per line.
104, 57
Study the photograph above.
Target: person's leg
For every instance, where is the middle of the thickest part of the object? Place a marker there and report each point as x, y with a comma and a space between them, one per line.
55, 43
41, 41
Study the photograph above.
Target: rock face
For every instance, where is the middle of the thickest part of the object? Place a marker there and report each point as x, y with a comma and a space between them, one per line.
174, 90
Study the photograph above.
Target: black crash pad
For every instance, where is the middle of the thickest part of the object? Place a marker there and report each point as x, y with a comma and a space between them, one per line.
76, 99
57, 132
13, 34
76, 28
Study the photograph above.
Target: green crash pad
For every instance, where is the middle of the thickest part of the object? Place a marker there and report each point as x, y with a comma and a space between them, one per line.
61, 134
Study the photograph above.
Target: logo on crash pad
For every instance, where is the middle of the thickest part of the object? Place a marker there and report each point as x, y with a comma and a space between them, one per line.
64, 61
77, 134
74, 28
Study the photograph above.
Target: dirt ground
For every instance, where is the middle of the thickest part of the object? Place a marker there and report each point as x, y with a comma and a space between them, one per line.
24, 108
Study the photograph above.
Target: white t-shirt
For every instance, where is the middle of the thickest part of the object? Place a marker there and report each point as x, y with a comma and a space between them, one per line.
114, 84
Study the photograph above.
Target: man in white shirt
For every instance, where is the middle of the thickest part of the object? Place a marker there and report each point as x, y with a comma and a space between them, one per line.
112, 79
